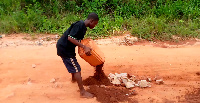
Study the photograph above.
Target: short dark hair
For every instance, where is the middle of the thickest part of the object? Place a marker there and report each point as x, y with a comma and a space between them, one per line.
93, 16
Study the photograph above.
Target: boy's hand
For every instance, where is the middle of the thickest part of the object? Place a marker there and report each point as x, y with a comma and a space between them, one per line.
87, 50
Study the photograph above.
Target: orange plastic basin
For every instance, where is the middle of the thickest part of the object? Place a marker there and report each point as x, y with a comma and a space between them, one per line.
96, 57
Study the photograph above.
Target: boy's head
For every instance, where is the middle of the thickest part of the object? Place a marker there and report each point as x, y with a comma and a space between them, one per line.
93, 20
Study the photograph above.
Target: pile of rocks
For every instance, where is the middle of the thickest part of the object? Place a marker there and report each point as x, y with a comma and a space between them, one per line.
130, 81
129, 40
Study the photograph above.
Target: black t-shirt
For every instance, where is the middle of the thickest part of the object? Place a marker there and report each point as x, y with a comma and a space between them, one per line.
76, 31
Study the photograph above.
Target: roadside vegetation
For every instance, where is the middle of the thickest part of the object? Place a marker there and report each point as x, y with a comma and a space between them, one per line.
146, 19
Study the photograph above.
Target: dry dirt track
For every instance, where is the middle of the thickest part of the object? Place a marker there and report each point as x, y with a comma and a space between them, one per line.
21, 83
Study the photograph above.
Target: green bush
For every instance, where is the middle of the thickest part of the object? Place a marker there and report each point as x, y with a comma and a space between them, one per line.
148, 19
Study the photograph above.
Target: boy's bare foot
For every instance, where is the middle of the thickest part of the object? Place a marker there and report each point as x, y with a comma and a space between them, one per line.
86, 94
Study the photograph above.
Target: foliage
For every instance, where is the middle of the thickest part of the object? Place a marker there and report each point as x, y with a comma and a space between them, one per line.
148, 19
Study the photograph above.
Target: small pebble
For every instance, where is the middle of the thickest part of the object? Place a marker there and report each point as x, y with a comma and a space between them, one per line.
149, 79
33, 65
53, 80
57, 36
160, 81
103, 86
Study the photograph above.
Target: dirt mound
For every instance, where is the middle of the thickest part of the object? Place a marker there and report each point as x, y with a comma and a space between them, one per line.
99, 78
100, 86
112, 94
92, 80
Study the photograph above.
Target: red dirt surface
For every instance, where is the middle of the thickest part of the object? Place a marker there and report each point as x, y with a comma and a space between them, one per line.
193, 97
27, 72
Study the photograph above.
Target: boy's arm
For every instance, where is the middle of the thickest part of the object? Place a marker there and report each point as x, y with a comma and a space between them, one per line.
86, 49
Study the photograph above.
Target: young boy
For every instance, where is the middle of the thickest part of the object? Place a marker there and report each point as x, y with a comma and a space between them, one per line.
66, 48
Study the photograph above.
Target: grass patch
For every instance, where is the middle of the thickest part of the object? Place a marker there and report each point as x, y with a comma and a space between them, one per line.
153, 28
146, 19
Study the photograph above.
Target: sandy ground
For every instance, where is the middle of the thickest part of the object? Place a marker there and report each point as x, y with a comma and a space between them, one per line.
27, 72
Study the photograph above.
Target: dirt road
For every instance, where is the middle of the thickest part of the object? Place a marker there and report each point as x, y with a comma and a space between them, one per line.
35, 74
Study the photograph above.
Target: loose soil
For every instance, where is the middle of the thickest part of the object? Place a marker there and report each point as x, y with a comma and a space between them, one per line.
99, 78
21, 82
112, 94
100, 86
193, 97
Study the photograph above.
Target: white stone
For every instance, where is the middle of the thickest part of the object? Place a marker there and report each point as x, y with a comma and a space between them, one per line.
29, 83
110, 79
116, 81
137, 85
143, 83
124, 81
131, 39
111, 75
121, 75
129, 85
117, 75
134, 39
103, 86
33, 65
149, 79
160, 81
53, 80
57, 36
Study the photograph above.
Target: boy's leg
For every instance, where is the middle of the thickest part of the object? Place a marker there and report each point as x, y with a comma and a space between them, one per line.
74, 68
83, 92
73, 79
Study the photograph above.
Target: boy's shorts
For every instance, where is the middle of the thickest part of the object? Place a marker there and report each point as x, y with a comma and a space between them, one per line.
72, 65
